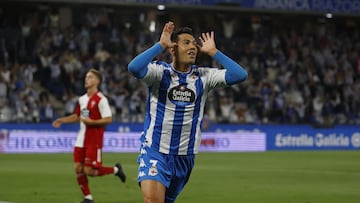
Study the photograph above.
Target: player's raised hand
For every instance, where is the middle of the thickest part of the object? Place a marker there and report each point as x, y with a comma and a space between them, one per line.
165, 38
208, 43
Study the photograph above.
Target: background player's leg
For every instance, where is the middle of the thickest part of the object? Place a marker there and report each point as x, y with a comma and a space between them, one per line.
104, 170
82, 179
93, 166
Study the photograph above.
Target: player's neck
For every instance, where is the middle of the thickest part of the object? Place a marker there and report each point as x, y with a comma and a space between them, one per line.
184, 68
91, 91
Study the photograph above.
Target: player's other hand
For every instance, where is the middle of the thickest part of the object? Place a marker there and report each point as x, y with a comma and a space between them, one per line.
208, 43
165, 38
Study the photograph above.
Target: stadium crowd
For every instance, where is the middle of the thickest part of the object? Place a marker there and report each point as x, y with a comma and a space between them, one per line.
304, 70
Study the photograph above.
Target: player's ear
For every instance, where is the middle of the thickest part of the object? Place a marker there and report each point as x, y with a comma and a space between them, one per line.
198, 47
172, 50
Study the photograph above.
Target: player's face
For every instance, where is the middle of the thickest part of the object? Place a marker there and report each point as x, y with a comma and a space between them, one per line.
186, 49
91, 80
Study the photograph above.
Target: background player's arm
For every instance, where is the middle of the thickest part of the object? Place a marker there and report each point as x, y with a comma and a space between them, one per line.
98, 122
106, 116
67, 119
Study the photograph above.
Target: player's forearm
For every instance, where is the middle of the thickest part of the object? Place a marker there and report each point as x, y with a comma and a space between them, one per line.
70, 119
100, 122
234, 72
138, 66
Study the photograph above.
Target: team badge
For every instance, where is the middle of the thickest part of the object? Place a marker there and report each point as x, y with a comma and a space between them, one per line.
153, 171
92, 104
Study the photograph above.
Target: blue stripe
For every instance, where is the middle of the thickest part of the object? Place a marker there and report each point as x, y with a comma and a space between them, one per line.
178, 121
160, 109
147, 116
199, 93
176, 130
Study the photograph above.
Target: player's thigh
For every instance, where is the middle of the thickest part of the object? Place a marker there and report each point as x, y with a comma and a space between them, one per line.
183, 166
93, 157
79, 158
153, 191
153, 165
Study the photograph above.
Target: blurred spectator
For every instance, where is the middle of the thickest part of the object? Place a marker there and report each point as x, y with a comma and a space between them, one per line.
6, 112
3, 90
46, 111
70, 103
300, 71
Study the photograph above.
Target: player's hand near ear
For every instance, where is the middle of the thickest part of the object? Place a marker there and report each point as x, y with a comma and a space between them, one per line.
165, 38
208, 43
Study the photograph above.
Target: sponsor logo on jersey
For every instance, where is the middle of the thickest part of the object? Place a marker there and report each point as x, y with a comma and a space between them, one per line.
181, 95
85, 113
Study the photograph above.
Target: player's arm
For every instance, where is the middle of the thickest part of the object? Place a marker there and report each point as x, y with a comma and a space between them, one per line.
234, 72
138, 66
106, 115
67, 119
97, 122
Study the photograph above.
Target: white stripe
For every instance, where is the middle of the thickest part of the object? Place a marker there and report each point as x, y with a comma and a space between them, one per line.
150, 130
81, 135
167, 127
185, 137
98, 155
198, 128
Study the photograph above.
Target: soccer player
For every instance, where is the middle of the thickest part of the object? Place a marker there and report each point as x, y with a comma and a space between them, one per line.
93, 112
175, 108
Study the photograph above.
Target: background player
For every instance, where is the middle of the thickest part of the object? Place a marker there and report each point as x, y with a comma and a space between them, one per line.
93, 112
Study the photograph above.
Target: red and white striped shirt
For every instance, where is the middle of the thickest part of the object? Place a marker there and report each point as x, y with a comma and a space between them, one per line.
94, 107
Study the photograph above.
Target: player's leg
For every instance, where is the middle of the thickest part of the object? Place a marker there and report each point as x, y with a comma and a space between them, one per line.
183, 166
93, 165
81, 177
153, 191
153, 175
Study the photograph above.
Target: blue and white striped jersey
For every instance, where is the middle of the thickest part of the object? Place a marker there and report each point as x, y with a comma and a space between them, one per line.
176, 100
175, 106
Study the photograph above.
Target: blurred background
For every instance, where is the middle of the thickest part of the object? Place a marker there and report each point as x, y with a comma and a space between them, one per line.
303, 63
303, 59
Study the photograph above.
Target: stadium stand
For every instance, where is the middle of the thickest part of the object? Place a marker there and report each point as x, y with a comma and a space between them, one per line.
301, 69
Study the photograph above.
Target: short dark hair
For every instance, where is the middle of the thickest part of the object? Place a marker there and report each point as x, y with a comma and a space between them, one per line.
97, 74
179, 31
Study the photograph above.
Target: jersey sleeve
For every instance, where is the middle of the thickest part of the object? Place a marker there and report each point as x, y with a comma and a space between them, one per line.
77, 109
139, 65
104, 108
215, 77
154, 73
234, 72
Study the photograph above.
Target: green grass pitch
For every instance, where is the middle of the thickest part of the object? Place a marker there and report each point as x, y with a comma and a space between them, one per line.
261, 177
